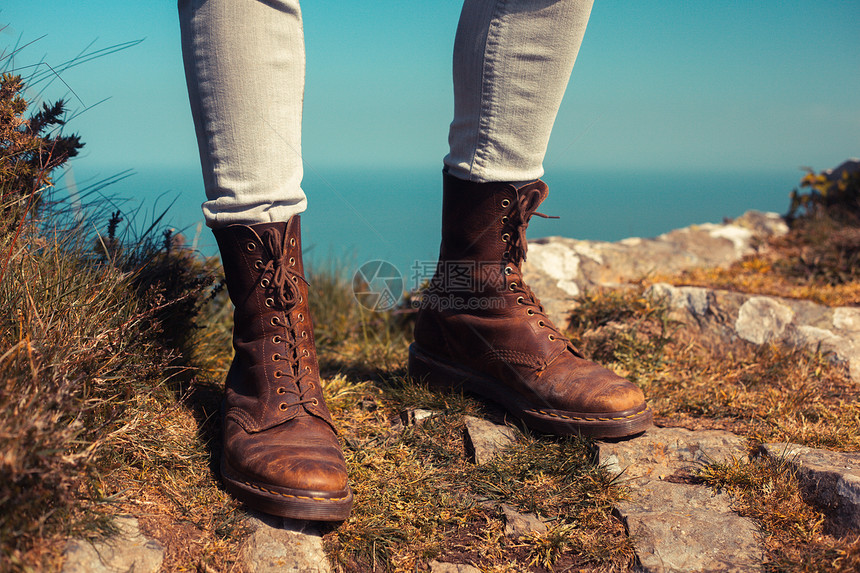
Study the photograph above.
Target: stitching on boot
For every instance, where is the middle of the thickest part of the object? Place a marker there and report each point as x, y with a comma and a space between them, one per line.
586, 419
249, 484
513, 357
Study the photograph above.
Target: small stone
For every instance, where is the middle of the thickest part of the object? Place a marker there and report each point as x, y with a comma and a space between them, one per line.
484, 439
685, 528
695, 300
441, 567
762, 319
518, 525
283, 545
832, 478
127, 550
415, 416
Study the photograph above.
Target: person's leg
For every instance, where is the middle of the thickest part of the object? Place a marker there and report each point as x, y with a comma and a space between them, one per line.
512, 63
245, 68
244, 63
480, 328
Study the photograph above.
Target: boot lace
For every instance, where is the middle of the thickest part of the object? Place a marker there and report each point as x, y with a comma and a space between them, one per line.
284, 286
524, 208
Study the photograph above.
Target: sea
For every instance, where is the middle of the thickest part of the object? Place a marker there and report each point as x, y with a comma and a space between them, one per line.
360, 215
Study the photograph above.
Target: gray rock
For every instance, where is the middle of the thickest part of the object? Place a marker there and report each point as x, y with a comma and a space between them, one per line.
662, 452
518, 524
678, 526
694, 300
726, 316
283, 545
559, 269
763, 319
832, 478
441, 567
127, 550
843, 345
484, 439
685, 528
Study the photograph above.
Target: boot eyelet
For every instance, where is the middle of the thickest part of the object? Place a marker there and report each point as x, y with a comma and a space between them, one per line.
551, 337
304, 334
264, 283
292, 242
295, 279
513, 286
530, 312
276, 357
259, 265
292, 261
282, 390
278, 374
311, 386
283, 407
506, 255
508, 270
308, 368
270, 302
275, 321
506, 237
315, 402
277, 339
506, 202
541, 323
251, 247
301, 300
505, 219
301, 317
520, 300
305, 352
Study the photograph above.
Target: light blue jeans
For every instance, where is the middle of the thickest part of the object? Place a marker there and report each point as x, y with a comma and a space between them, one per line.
245, 66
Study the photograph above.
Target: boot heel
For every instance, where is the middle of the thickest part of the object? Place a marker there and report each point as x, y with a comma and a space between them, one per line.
424, 369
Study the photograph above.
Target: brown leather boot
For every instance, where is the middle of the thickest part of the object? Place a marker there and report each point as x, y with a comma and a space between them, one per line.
482, 330
281, 453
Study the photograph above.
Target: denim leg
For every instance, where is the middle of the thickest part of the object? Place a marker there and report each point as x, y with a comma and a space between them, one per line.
512, 62
245, 67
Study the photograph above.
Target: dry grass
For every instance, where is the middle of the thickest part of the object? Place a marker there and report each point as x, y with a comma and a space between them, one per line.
95, 415
421, 499
94, 419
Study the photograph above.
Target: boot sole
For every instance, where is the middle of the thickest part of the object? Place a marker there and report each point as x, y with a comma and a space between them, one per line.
283, 502
439, 374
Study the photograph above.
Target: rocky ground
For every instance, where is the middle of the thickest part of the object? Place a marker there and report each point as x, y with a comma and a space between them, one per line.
676, 523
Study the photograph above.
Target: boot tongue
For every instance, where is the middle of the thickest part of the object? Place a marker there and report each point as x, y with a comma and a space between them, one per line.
529, 197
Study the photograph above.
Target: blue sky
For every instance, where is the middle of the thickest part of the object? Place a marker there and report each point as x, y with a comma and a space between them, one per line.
668, 85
